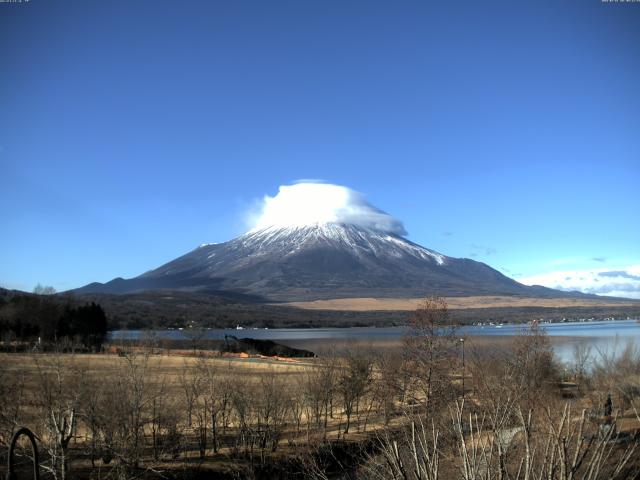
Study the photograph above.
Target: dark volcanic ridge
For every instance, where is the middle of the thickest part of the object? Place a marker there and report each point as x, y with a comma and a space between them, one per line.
322, 261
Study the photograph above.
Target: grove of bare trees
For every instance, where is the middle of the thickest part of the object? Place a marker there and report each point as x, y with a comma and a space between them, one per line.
367, 413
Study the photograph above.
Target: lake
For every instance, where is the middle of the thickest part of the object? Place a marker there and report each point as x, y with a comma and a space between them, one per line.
604, 336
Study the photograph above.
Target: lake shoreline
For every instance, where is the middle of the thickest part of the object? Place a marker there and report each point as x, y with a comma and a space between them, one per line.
602, 336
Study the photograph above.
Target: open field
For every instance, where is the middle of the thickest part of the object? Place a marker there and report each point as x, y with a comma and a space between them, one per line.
151, 412
168, 366
166, 411
384, 346
458, 303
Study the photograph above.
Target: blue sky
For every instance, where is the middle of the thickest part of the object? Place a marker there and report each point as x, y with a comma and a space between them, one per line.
132, 131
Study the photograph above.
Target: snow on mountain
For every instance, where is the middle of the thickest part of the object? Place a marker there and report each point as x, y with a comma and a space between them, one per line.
361, 241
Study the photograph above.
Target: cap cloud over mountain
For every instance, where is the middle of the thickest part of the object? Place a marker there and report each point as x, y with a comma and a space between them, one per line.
305, 204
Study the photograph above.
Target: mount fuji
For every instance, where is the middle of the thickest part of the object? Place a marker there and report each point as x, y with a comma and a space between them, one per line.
322, 260
315, 241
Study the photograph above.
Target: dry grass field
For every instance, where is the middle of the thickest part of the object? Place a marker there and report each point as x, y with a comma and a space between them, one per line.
210, 412
152, 412
456, 303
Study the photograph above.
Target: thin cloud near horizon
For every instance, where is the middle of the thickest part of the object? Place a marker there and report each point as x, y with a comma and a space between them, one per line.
610, 282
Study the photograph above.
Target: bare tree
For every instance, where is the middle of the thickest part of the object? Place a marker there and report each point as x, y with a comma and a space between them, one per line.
617, 372
353, 382
296, 401
217, 390
127, 401
242, 408
391, 383
498, 392
430, 347
189, 383
271, 409
59, 395
91, 414
543, 447
320, 386
414, 456
162, 419
43, 290
533, 363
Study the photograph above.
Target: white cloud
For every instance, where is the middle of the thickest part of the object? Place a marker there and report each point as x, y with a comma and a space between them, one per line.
610, 282
312, 203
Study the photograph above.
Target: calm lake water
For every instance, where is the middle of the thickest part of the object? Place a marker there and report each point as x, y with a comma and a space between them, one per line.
602, 336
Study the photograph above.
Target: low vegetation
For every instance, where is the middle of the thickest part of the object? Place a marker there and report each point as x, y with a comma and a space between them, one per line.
438, 408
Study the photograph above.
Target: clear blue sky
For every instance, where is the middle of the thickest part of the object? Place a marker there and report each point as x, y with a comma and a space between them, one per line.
132, 131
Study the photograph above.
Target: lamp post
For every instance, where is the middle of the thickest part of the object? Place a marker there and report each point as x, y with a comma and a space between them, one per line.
462, 344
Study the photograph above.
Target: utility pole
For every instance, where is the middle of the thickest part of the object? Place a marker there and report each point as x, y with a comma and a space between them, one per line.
462, 343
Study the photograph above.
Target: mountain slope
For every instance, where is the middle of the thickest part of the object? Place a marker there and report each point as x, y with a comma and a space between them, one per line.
324, 260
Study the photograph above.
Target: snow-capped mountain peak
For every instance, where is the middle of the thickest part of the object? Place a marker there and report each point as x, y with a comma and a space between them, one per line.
359, 240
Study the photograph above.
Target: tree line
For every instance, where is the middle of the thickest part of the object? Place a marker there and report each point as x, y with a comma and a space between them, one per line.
47, 319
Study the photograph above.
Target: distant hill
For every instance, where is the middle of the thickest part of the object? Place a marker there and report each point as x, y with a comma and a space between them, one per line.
181, 309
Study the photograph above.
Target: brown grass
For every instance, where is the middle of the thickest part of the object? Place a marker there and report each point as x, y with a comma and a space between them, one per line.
456, 303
